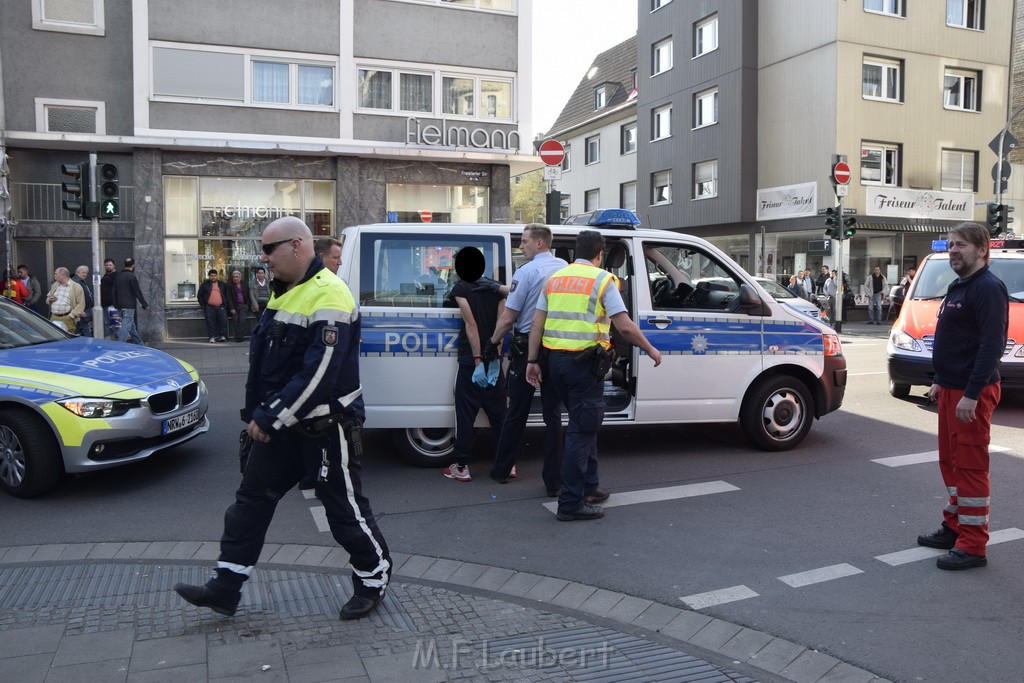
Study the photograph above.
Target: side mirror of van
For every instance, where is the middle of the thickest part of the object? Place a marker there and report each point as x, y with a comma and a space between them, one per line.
897, 294
750, 301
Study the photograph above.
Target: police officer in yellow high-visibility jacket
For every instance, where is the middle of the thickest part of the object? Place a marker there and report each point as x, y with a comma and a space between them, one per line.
304, 413
572, 317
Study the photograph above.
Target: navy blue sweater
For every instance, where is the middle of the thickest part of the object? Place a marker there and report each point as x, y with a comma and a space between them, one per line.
970, 335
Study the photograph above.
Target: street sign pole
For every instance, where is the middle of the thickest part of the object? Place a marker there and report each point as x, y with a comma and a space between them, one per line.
999, 155
98, 331
838, 322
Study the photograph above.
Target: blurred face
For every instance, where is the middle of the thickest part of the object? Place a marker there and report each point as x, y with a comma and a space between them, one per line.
332, 258
213, 276
82, 273
109, 266
878, 271
23, 273
60, 277
236, 277
260, 275
964, 258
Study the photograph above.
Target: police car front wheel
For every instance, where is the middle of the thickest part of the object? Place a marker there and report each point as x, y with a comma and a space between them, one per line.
777, 413
30, 462
426, 446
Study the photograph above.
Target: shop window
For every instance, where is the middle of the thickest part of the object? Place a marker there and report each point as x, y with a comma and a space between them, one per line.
417, 270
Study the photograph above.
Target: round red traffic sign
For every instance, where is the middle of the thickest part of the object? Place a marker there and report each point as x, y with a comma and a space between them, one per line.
841, 173
426, 216
552, 152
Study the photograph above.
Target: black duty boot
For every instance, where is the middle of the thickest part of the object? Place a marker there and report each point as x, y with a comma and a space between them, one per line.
943, 539
220, 601
360, 606
960, 559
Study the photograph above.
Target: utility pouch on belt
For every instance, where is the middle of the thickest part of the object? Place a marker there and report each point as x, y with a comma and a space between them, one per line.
244, 448
315, 427
599, 359
519, 346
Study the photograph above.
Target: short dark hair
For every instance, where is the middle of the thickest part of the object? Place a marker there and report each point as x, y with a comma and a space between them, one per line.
976, 234
211, 271
324, 244
589, 243
260, 269
129, 262
108, 260
22, 265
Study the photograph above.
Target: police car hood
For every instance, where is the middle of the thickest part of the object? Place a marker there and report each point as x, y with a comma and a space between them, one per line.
83, 366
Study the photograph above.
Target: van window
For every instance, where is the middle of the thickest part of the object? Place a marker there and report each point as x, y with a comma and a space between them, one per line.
419, 269
688, 278
935, 276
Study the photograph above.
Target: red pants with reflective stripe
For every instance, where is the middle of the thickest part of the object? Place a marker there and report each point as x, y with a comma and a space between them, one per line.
963, 462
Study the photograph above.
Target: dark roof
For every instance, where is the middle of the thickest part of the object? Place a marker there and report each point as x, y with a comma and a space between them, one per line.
614, 67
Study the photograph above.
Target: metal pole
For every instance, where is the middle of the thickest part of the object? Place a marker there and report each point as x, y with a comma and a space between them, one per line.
999, 161
97, 307
838, 322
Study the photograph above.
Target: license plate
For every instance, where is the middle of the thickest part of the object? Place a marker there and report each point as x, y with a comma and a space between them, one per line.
173, 424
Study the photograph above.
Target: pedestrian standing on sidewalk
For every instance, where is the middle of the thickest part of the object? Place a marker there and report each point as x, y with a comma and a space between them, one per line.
215, 301
238, 298
970, 336
66, 300
35, 290
878, 287
83, 325
259, 291
107, 294
127, 297
480, 301
304, 410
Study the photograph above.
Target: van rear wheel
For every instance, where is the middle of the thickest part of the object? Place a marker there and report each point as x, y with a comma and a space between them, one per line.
777, 413
426, 446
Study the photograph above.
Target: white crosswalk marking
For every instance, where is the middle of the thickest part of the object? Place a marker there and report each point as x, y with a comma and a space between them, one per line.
836, 571
655, 495
927, 456
921, 553
320, 517
718, 597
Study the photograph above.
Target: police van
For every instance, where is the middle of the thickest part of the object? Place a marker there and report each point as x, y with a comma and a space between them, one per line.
730, 352
909, 349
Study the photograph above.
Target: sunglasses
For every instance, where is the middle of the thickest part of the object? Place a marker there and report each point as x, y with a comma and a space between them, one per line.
268, 249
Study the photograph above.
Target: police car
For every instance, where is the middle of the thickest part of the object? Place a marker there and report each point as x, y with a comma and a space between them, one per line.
909, 349
76, 404
730, 352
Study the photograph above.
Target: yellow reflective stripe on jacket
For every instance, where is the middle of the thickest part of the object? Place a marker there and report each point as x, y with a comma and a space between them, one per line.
576, 317
317, 299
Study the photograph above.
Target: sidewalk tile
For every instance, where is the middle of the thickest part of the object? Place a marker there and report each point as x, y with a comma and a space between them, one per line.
48, 553
573, 595
776, 655
106, 670
131, 551
19, 553
809, 667
75, 551
402, 668
601, 602
441, 570
416, 565
336, 558
547, 588
324, 671
324, 663
628, 608
36, 640
246, 660
27, 668
845, 673
467, 573
685, 625
184, 550
520, 583
158, 550
493, 578
745, 643
167, 653
104, 551
178, 674
209, 550
94, 647
313, 555
716, 634
656, 616
269, 550
287, 554
397, 560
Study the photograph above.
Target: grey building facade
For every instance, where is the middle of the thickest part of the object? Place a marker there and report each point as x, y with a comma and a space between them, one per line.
223, 116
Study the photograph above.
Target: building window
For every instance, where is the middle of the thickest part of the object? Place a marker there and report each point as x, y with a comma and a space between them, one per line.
661, 122
592, 200
661, 187
565, 160
592, 150
374, 89
600, 97
493, 5
68, 16
628, 138
705, 36
879, 164
961, 90
394, 90
958, 170
966, 14
893, 8
661, 56
882, 79
70, 116
282, 83
658, 4
705, 108
627, 195
415, 92
705, 179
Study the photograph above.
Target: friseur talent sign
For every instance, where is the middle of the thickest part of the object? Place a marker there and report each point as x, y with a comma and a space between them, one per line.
937, 204
788, 201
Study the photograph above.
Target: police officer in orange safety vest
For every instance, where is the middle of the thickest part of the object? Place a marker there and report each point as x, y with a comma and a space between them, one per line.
572, 323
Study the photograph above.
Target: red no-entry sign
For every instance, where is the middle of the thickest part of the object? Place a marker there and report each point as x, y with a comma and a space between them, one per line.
841, 173
552, 152
426, 216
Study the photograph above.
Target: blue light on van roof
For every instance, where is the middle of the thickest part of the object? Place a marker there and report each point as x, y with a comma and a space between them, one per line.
940, 245
605, 218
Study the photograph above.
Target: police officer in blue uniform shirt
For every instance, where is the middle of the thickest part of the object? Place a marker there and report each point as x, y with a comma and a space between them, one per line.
304, 411
527, 284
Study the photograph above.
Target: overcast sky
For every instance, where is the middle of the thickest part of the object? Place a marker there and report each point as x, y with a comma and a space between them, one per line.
567, 35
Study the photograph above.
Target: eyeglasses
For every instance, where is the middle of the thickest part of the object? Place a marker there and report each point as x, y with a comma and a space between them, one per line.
268, 249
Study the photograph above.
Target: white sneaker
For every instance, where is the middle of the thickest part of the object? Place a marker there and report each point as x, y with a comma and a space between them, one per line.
457, 473
213, 340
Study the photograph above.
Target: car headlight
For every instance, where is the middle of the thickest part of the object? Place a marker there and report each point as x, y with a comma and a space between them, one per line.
902, 340
97, 407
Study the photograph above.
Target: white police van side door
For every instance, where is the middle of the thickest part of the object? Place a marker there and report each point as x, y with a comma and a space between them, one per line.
711, 349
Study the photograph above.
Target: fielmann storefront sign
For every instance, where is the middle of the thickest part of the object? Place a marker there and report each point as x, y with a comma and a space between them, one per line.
448, 134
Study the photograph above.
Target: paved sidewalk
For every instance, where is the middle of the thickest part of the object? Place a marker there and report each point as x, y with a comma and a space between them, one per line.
106, 612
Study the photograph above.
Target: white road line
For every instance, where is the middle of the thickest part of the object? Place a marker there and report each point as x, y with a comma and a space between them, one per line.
920, 553
927, 456
864, 374
655, 495
320, 517
308, 494
836, 571
718, 597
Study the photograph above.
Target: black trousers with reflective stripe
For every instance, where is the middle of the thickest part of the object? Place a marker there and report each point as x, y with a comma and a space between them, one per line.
276, 467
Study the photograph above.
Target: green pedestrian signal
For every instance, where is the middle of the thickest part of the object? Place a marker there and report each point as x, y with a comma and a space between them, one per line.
108, 209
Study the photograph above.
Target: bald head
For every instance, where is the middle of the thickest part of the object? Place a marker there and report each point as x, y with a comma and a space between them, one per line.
287, 248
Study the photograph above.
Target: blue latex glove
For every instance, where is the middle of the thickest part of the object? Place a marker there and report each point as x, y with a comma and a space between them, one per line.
480, 376
492, 372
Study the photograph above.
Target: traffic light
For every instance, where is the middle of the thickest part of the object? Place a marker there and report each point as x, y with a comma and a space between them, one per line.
832, 229
1006, 218
995, 219
108, 192
77, 189
849, 227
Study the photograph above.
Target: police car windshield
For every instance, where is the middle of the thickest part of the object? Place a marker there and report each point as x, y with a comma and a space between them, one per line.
20, 327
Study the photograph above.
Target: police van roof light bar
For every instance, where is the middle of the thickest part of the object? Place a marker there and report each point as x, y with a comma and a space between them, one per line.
607, 218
